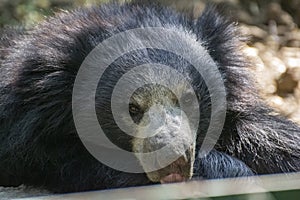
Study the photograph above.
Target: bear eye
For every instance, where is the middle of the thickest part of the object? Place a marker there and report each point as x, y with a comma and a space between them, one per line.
134, 109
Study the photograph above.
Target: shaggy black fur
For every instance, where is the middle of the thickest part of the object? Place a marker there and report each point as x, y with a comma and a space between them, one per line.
39, 145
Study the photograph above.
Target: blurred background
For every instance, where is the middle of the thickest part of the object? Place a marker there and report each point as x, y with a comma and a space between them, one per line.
272, 28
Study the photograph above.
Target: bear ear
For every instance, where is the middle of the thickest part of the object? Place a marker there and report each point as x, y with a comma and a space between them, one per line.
219, 35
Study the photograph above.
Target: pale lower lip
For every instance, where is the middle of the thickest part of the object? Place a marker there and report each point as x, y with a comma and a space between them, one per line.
172, 178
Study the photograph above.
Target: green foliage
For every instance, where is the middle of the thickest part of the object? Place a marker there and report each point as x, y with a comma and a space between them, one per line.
27, 12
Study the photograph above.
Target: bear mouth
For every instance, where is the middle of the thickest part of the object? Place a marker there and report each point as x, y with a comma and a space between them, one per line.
173, 178
179, 171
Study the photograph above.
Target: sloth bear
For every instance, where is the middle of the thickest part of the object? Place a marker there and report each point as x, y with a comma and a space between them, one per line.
40, 143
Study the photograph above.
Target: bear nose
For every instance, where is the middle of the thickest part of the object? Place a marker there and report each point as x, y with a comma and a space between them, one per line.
180, 170
173, 178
